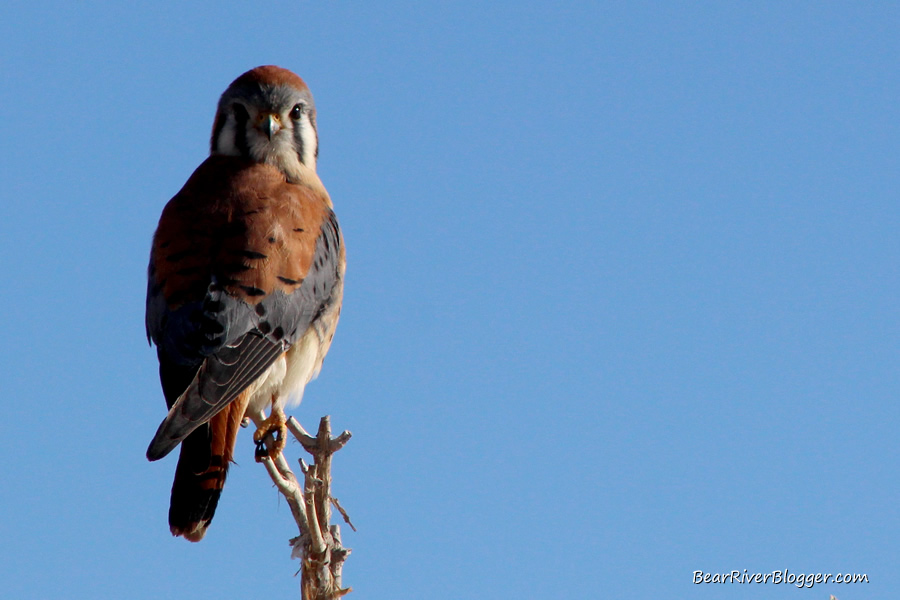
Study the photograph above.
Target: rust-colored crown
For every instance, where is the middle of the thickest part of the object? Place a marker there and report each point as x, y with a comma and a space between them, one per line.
270, 75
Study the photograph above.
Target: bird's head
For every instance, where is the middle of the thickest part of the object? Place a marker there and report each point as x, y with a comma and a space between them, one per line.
268, 115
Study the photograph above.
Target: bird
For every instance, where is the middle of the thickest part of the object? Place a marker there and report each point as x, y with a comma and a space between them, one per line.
244, 288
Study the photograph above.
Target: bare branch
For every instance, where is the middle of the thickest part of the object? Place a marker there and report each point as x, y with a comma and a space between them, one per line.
343, 512
289, 487
318, 546
308, 441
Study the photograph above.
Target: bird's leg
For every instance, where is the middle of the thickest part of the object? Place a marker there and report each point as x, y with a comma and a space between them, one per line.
276, 423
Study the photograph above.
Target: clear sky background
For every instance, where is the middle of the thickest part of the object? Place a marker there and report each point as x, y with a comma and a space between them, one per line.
621, 301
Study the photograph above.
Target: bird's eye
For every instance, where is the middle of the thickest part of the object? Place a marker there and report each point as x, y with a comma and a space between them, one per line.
296, 111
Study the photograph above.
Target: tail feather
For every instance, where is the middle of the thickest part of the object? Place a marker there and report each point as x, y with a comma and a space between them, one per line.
199, 479
202, 467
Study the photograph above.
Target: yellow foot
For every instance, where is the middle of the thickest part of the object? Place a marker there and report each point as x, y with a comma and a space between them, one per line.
275, 424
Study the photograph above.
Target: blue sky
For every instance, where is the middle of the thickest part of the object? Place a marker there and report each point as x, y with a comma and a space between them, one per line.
621, 301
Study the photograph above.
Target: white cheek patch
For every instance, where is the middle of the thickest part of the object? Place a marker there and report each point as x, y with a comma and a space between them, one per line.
308, 139
225, 142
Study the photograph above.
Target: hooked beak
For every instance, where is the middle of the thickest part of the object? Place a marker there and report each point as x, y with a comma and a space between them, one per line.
268, 123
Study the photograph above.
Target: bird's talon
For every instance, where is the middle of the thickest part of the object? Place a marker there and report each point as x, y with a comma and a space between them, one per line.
276, 427
261, 451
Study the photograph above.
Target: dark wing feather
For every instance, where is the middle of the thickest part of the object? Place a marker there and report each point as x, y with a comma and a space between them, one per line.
221, 378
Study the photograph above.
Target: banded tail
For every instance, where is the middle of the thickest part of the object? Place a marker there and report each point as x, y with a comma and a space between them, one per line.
202, 467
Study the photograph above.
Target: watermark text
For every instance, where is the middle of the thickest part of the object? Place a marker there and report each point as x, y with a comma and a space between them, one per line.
801, 580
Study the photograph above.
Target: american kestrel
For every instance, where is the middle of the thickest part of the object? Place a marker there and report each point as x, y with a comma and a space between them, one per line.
245, 286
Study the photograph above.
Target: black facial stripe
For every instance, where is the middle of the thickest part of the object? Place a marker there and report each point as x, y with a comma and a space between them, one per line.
240, 135
220, 125
315, 130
